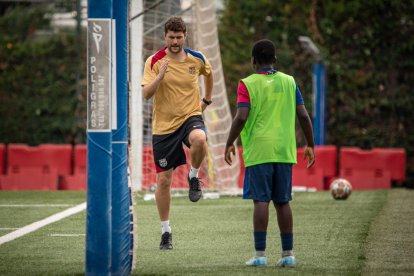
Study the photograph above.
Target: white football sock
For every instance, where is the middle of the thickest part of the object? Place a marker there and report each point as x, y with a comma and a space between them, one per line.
260, 253
193, 172
165, 226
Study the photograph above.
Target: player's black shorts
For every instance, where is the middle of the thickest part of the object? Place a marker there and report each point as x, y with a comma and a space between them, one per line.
168, 148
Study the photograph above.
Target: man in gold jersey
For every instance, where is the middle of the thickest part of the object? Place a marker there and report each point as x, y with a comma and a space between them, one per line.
171, 77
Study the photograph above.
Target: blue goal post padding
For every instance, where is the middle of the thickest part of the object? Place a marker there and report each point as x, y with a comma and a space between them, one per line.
121, 223
108, 231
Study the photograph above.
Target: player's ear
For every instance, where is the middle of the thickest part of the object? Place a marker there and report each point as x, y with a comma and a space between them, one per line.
253, 62
274, 59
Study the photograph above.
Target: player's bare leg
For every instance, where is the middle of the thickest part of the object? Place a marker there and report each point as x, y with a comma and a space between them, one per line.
198, 150
285, 221
284, 217
163, 200
163, 194
260, 223
260, 216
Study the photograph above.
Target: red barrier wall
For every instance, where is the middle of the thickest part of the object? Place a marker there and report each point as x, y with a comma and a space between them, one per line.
78, 180
372, 169
2, 159
321, 173
393, 160
46, 155
51, 167
36, 168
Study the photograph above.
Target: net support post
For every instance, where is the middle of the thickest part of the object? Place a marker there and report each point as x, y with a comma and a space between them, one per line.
319, 106
136, 34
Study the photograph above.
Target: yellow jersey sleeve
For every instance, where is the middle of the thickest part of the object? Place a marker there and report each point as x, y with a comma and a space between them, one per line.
205, 69
150, 72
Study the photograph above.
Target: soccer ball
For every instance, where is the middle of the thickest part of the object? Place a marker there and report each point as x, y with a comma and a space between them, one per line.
341, 188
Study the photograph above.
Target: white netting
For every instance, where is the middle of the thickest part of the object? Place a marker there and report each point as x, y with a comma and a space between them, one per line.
217, 116
202, 35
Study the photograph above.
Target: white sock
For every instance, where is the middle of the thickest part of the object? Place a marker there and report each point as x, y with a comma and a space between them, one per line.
260, 253
165, 226
193, 172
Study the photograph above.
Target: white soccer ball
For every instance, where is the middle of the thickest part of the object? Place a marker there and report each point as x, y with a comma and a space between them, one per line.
341, 188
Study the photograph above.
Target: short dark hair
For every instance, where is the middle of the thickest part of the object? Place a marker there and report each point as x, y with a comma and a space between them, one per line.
264, 52
175, 24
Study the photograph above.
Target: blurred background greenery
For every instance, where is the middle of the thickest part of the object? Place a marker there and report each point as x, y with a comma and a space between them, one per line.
367, 46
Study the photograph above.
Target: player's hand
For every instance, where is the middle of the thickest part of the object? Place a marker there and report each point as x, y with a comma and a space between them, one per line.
163, 68
310, 153
203, 106
227, 153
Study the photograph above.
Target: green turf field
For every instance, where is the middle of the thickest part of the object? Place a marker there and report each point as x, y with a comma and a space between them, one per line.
360, 236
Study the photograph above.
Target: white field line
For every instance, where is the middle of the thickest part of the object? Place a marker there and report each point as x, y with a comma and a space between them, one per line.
35, 205
39, 224
66, 235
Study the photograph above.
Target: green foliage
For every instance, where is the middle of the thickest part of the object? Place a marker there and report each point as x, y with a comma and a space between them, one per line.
38, 84
368, 47
245, 22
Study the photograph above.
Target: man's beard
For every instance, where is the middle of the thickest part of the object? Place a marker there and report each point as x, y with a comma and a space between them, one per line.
175, 49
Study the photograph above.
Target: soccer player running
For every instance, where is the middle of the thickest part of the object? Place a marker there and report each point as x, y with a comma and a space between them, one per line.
171, 77
268, 102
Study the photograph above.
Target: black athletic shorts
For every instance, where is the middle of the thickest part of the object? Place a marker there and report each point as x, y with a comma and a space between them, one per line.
168, 148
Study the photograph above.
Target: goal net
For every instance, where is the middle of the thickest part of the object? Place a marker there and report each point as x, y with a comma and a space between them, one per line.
146, 37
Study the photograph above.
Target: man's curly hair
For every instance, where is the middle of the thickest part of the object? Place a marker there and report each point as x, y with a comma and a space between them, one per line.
175, 24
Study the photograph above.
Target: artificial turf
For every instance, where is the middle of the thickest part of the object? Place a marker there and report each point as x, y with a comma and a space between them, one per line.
214, 237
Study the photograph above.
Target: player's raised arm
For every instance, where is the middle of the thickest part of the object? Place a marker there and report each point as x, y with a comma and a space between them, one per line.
149, 90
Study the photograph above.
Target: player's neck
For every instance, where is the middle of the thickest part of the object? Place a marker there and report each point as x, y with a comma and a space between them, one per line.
264, 67
176, 56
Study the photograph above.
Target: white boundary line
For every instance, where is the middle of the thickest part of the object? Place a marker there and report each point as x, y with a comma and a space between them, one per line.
35, 205
66, 235
39, 224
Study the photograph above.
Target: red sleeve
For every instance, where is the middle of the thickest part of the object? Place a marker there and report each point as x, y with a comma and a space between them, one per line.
243, 94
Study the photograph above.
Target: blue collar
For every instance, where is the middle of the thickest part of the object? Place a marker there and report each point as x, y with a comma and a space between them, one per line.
267, 71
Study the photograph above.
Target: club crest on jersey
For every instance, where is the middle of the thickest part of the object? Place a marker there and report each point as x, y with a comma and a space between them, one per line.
163, 162
192, 70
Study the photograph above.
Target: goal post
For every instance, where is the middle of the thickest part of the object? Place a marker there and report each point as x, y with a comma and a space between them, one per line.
200, 18
135, 98
109, 237
122, 235
99, 139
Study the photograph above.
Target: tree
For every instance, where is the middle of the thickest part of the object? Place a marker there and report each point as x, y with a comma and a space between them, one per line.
367, 45
38, 92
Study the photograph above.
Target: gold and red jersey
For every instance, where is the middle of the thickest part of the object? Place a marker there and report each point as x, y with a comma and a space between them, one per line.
177, 97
